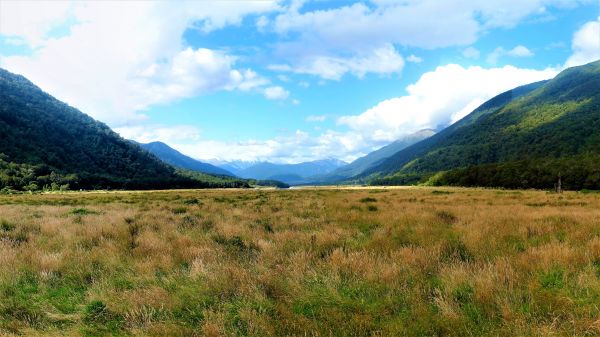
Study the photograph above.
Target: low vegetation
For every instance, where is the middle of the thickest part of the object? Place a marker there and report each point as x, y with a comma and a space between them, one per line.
18, 178
314, 262
577, 173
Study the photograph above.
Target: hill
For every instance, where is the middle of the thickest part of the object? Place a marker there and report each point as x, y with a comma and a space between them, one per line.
47, 143
541, 122
171, 156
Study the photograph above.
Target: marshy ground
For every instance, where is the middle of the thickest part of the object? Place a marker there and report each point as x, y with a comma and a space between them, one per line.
309, 262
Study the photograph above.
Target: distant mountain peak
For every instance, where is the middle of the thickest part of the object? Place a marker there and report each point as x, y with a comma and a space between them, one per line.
288, 173
368, 161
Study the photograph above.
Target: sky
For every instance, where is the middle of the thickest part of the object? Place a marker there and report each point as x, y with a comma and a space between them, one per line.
289, 81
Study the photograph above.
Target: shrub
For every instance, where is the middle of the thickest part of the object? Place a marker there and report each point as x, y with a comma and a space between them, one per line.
446, 217
6, 226
179, 210
193, 201
82, 211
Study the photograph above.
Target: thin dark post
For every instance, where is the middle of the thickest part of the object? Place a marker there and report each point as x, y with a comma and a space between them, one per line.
559, 185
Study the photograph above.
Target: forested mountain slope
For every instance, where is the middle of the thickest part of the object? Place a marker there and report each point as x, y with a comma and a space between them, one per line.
47, 142
553, 119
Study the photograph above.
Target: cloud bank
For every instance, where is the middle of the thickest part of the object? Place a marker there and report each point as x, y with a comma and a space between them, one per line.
118, 58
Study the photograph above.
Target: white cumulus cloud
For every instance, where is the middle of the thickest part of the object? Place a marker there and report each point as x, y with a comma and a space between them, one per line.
296, 147
438, 98
414, 58
324, 42
518, 51
276, 93
383, 60
118, 58
586, 44
162, 133
30, 21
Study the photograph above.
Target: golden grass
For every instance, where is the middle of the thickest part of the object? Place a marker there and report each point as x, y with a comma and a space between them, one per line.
306, 262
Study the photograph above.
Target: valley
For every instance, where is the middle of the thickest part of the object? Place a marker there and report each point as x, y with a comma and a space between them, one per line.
299, 168
407, 261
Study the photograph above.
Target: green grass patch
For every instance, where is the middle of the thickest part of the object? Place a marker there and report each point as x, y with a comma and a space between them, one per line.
101, 321
367, 228
192, 201
553, 279
438, 192
179, 210
6, 226
82, 211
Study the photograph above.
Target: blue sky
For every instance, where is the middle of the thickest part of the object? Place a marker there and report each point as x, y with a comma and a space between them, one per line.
289, 81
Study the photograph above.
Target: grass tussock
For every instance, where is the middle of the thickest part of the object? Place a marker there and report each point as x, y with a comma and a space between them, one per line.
316, 262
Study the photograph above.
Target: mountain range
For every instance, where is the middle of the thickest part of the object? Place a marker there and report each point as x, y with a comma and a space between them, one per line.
367, 162
289, 173
523, 138
233, 166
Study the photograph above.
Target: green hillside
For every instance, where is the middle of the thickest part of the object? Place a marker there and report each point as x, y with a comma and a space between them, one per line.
544, 121
46, 143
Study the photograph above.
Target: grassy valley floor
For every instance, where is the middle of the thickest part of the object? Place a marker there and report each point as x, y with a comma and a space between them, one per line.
307, 262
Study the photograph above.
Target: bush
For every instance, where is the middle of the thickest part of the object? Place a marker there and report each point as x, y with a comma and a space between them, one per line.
6, 226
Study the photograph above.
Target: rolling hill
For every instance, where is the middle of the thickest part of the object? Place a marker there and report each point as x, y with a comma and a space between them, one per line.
552, 122
173, 157
47, 143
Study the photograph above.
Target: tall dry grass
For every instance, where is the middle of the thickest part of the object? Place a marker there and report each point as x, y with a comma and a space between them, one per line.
316, 262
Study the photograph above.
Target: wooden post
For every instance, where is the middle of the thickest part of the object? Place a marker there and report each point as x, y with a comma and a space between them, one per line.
559, 185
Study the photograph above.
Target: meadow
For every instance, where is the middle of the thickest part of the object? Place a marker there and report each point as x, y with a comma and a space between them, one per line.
308, 262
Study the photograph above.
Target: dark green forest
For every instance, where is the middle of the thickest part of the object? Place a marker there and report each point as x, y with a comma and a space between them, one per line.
577, 173
26, 177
